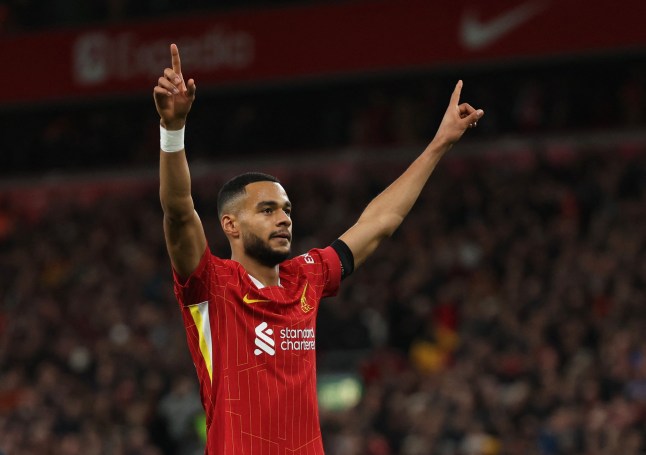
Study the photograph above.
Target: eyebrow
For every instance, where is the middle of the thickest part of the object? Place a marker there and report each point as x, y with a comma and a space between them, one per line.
260, 204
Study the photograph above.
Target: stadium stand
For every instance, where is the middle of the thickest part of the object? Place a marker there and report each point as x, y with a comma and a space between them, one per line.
387, 112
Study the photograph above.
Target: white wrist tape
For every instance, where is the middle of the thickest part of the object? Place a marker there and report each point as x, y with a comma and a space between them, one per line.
171, 141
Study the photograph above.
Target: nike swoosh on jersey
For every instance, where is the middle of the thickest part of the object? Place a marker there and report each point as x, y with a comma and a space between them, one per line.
476, 34
249, 301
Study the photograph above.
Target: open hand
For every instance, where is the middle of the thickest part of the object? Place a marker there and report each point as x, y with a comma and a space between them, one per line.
174, 97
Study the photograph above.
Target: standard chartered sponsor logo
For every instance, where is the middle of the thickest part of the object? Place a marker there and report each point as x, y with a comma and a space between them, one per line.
297, 339
290, 339
264, 340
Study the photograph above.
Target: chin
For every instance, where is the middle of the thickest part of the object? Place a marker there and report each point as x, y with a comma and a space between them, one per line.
270, 253
283, 250
283, 245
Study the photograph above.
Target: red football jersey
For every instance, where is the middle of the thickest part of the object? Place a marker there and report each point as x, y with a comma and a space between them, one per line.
254, 351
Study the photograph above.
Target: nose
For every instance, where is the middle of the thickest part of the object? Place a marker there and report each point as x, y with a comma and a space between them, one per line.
283, 219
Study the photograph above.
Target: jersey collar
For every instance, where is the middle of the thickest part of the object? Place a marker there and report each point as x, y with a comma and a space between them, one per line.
258, 284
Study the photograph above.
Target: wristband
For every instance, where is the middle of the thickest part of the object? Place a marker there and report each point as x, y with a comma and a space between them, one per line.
171, 141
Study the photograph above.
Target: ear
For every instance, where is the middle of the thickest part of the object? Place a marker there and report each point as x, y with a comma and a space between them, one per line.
230, 226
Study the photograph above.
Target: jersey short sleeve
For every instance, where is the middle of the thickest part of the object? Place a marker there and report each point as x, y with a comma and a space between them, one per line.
196, 288
324, 267
211, 273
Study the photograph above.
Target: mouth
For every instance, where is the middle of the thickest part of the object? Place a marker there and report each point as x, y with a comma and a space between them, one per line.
281, 235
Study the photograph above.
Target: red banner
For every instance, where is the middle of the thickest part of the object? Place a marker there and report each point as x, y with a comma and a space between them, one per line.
288, 43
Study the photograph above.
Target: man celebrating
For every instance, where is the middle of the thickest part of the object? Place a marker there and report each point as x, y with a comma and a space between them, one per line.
250, 320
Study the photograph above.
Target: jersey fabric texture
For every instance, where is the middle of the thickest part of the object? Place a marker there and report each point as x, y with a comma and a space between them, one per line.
254, 352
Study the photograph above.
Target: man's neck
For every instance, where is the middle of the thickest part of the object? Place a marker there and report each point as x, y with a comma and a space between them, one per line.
268, 276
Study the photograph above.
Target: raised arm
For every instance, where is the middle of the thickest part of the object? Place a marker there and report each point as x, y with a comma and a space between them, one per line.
185, 239
386, 212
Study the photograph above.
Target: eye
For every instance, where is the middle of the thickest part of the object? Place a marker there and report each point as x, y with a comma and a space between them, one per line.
267, 211
288, 212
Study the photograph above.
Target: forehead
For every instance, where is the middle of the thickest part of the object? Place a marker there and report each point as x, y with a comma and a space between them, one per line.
259, 192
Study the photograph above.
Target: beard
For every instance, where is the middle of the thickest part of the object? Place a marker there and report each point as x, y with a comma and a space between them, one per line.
261, 251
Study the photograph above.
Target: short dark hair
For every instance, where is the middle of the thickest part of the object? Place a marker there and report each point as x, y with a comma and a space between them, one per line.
236, 187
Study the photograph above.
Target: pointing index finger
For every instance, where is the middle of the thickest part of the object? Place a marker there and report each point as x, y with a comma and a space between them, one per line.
455, 97
176, 63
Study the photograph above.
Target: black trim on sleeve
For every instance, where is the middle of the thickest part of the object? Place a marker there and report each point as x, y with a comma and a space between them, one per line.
345, 256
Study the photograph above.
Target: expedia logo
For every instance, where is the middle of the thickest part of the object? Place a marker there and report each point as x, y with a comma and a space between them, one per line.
264, 342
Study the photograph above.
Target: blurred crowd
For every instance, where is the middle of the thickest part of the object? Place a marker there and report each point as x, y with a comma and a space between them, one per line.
562, 97
505, 317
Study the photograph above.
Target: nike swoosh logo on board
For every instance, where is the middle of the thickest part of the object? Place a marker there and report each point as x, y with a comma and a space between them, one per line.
476, 34
249, 301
